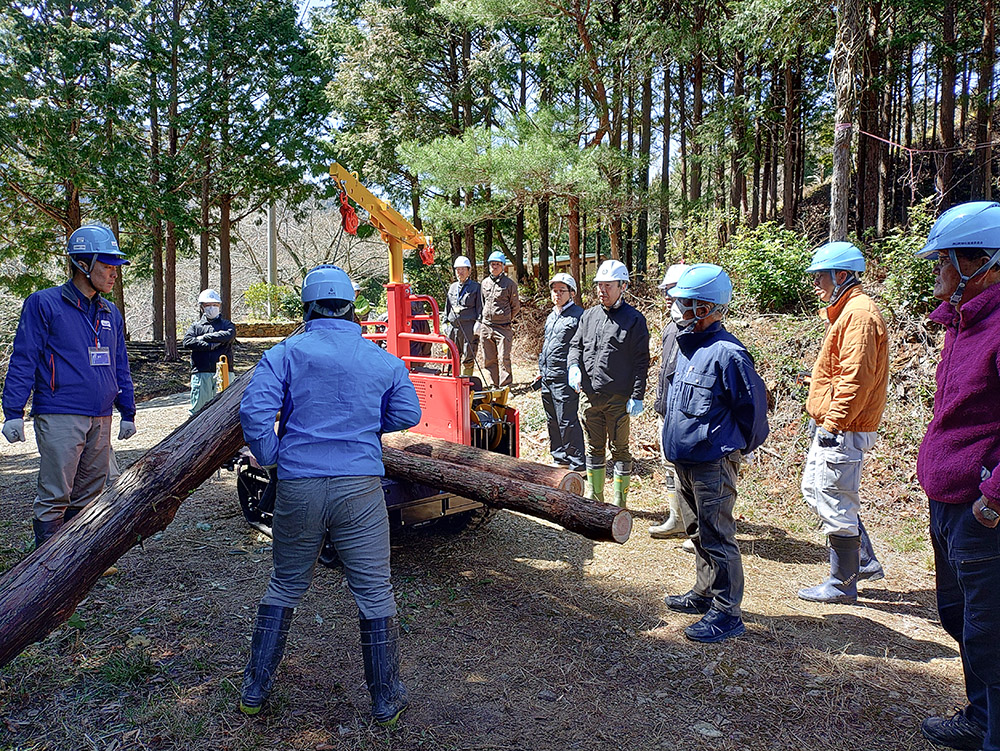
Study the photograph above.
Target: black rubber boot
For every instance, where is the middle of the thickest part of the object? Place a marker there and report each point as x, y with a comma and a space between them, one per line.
266, 649
380, 649
44, 530
842, 585
868, 566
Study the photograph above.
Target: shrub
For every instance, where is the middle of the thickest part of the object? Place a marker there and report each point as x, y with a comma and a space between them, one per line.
908, 280
767, 265
258, 295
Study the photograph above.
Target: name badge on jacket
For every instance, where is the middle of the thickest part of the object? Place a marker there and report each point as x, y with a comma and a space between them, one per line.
99, 356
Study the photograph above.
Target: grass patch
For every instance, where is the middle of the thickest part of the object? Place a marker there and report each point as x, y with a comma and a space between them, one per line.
911, 537
128, 667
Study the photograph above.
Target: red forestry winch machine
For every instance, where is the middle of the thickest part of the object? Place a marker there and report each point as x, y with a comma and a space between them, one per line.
453, 409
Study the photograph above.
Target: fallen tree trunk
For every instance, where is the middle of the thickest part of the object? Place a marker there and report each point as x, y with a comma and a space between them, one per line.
598, 521
43, 590
486, 461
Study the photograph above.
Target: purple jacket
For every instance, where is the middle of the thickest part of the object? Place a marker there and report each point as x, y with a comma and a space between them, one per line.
960, 454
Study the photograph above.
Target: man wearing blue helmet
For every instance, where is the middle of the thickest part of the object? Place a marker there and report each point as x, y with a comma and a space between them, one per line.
336, 394
958, 464
716, 414
847, 394
69, 351
500, 308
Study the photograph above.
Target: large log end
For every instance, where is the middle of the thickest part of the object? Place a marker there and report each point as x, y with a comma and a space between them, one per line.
621, 527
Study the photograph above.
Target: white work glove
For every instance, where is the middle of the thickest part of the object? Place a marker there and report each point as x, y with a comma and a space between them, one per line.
13, 430
575, 377
126, 431
634, 407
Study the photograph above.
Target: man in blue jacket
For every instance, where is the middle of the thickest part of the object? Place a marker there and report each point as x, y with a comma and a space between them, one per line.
716, 413
560, 401
69, 351
337, 393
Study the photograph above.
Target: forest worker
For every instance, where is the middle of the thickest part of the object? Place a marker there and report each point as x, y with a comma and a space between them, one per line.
958, 464
716, 414
361, 305
463, 308
672, 526
500, 308
209, 339
847, 394
69, 351
561, 403
608, 360
337, 393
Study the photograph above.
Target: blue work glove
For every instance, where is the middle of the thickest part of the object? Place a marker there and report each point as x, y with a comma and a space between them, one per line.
826, 439
634, 407
575, 377
126, 431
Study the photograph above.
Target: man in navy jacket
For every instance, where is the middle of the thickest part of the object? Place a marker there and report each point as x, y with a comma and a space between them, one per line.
716, 414
69, 350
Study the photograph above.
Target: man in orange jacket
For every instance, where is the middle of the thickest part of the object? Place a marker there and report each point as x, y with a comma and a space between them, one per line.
847, 394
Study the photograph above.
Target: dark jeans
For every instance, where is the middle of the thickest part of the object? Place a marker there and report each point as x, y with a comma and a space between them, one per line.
562, 405
707, 495
967, 562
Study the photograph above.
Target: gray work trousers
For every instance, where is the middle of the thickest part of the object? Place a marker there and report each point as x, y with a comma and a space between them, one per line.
351, 511
75, 456
831, 480
496, 340
203, 390
462, 333
707, 494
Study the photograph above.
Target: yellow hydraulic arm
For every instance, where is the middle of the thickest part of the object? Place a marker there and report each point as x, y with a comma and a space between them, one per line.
395, 228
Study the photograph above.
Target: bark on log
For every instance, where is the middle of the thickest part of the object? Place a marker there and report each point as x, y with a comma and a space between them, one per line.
486, 461
598, 521
43, 590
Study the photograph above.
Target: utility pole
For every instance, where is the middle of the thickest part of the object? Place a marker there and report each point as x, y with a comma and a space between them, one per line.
272, 254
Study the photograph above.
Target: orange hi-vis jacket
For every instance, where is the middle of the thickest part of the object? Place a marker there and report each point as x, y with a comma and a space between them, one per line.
847, 391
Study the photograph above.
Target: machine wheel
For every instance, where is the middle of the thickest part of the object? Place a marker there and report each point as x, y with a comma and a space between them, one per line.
456, 523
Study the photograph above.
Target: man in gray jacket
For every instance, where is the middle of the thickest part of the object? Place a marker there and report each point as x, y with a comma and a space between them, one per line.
462, 310
561, 402
500, 307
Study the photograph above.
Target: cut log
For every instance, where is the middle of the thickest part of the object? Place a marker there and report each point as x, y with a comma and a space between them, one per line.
486, 461
598, 521
43, 590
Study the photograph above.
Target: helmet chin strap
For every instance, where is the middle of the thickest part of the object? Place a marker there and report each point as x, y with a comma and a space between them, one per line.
840, 289
85, 272
687, 325
956, 297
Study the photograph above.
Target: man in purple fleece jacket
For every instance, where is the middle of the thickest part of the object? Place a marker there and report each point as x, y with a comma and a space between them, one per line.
959, 464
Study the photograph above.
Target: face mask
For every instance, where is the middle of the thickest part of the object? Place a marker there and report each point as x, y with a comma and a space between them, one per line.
212, 312
677, 311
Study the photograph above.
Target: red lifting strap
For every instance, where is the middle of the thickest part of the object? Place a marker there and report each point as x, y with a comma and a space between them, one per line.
348, 217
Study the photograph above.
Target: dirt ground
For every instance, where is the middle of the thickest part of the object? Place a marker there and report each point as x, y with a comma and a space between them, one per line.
517, 634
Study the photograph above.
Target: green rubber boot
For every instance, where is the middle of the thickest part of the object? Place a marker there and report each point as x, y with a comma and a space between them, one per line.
621, 484
595, 484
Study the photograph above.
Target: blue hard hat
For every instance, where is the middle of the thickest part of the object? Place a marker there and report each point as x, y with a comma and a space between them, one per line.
837, 256
327, 282
497, 255
96, 240
704, 281
974, 225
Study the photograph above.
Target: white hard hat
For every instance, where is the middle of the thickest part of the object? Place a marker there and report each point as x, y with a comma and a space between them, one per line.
209, 297
612, 271
462, 263
673, 274
566, 279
